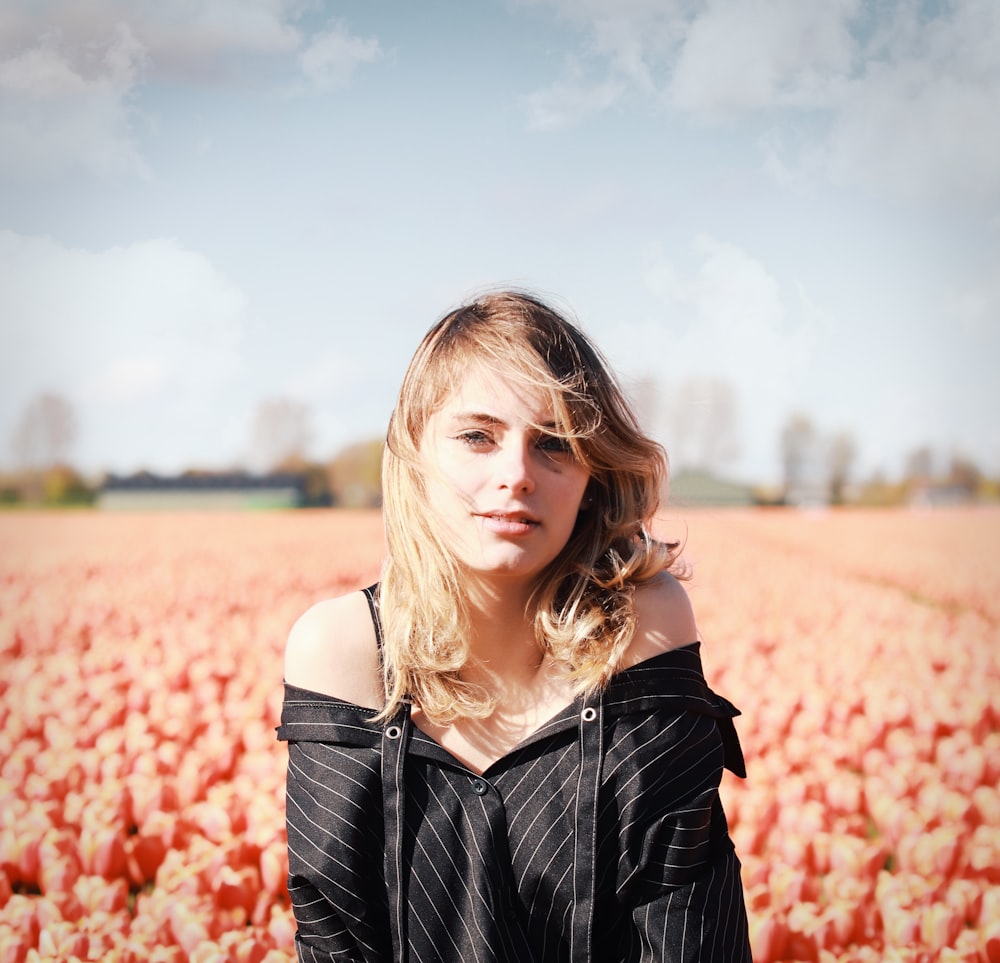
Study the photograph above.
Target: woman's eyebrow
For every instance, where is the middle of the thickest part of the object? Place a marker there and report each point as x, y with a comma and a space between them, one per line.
492, 421
479, 418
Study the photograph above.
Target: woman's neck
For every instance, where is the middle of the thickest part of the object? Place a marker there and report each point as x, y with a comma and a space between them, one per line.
505, 653
507, 660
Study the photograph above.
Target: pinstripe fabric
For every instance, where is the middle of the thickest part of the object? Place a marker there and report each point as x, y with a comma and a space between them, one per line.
600, 838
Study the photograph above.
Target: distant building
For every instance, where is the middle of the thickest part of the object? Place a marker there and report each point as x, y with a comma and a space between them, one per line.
225, 491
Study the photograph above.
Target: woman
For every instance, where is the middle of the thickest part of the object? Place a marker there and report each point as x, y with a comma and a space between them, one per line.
506, 751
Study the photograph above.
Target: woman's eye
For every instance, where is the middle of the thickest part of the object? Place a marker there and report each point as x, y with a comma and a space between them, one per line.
554, 444
474, 439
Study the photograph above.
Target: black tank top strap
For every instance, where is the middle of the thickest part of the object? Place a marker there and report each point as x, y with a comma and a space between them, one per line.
371, 593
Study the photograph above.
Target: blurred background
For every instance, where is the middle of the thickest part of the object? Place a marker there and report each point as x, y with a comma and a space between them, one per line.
224, 227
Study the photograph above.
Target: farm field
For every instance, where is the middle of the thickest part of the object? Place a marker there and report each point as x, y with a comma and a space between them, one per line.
141, 786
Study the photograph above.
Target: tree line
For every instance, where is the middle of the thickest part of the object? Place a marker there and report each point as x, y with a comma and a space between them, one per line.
281, 432
699, 417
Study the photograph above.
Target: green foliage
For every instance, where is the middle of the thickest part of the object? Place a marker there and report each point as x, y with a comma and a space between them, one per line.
63, 486
56, 487
9, 495
316, 487
879, 493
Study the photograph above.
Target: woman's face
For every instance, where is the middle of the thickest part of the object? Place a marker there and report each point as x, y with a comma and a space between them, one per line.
504, 494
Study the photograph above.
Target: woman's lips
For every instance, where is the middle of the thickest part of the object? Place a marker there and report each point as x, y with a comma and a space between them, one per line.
502, 523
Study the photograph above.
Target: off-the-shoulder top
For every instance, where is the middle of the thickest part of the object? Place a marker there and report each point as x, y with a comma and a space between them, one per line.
600, 838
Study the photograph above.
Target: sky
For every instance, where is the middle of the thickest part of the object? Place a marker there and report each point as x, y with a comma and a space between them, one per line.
206, 205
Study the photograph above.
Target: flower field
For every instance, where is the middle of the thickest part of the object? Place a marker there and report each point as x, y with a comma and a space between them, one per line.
141, 786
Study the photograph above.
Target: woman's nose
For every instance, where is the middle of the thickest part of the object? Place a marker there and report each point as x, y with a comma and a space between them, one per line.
514, 470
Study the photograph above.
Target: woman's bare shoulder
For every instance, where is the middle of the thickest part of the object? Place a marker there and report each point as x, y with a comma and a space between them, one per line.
664, 619
332, 649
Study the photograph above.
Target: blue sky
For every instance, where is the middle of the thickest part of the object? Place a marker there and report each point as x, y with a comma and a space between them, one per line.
204, 205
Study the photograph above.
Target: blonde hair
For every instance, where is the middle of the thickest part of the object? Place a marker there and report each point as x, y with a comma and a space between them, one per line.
583, 601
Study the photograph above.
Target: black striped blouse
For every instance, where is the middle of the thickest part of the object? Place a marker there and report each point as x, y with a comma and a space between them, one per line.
599, 838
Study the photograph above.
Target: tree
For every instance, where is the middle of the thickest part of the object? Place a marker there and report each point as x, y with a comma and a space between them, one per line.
281, 433
703, 432
62, 485
920, 465
840, 457
964, 474
697, 419
45, 433
356, 475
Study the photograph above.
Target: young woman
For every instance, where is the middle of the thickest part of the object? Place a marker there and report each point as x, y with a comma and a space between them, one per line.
506, 751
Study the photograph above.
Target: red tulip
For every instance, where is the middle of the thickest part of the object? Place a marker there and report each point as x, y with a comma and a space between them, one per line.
274, 867
768, 937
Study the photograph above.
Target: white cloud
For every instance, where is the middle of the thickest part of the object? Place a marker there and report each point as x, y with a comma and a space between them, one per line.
726, 315
899, 98
186, 39
748, 54
71, 76
329, 60
126, 334
568, 101
126, 379
628, 44
738, 317
629, 32
199, 40
727, 318
56, 112
920, 119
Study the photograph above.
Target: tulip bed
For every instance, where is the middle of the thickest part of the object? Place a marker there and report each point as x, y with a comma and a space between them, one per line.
864, 649
142, 789
141, 786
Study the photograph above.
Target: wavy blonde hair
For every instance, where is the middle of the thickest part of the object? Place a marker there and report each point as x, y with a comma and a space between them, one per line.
583, 601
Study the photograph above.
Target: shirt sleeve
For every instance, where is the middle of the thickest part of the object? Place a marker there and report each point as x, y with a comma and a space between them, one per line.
678, 885
703, 921
333, 820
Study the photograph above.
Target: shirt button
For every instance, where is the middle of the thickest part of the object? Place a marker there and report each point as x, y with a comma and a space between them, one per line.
480, 787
